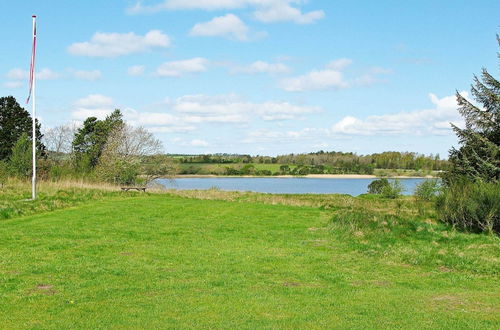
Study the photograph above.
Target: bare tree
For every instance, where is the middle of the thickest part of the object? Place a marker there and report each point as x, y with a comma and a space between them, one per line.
58, 139
131, 152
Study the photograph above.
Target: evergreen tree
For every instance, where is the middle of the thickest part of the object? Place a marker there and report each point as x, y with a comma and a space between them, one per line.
91, 138
14, 121
479, 154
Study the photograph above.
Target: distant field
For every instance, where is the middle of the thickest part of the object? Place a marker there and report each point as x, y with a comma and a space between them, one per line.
233, 260
208, 168
219, 169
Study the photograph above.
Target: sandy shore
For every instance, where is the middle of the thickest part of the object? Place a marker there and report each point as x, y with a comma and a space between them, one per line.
312, 176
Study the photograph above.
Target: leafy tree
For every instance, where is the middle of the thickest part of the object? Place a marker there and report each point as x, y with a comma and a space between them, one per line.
14, 121
91, 138
20, 160
479, 154
124, 152
377, 186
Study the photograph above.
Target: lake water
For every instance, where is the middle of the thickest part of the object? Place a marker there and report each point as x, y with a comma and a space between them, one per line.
352, 187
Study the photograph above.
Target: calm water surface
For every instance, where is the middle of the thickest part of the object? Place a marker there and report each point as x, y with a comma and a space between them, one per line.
352, 187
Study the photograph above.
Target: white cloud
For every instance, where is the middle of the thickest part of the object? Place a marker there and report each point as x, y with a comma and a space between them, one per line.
264, 10
331, 78
187, 112
157, 122
315, 80
339, 64
136, 70
230, 108
44, 74
91, 75
94, 101
268, 136
13, 84
281, 11
179, 68
48, 74
118, 44
81, 114
262, 67
230, 26
434, 121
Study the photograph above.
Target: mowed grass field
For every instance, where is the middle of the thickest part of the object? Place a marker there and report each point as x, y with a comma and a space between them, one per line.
168, 261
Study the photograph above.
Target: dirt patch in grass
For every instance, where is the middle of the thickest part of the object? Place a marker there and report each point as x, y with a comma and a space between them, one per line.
45, 289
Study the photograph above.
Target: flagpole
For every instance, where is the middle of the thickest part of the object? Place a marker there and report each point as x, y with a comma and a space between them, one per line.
33, 180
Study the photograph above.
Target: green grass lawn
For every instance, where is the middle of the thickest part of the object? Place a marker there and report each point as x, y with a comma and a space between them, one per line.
160, 260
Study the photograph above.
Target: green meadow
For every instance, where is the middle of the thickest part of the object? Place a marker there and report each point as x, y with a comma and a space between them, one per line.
91, 257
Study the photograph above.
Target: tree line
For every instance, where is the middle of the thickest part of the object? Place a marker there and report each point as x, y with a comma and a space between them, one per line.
332, 162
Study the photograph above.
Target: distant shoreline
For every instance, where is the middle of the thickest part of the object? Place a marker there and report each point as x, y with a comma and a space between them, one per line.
308, 176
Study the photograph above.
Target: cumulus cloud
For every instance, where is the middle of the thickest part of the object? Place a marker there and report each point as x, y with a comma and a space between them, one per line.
136, 70
434, 121
186, 113
281, 11
269, 136
328, 78
262, 67
118, 44
81, 114
94, 101
48, 74
267, 11
229, 26
321, 80
44, 74
331, 78
230, 108
179, 68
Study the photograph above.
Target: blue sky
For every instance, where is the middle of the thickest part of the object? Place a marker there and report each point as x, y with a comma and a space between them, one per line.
256, 76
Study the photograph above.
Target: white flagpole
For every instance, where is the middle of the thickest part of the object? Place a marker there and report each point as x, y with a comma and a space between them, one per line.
33, 180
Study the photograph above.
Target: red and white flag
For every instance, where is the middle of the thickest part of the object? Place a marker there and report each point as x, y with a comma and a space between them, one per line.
32, 66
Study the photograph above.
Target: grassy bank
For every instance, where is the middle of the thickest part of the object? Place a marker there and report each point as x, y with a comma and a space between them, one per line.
186, 259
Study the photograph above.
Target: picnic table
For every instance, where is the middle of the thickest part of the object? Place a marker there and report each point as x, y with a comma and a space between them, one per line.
133, 188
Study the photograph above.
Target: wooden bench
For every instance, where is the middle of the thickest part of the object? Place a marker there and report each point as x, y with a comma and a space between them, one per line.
134, 188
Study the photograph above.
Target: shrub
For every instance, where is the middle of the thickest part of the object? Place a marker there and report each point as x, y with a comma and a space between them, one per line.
472, 206
427, 190
20, 160
393, 190
376, 186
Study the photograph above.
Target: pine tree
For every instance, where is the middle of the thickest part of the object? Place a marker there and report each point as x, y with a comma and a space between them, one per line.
14, 121
91, 138
478, 157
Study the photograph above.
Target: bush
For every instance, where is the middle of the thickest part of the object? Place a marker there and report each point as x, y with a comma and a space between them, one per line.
472, 206
20, 161
427, 190
393, 190
376, 186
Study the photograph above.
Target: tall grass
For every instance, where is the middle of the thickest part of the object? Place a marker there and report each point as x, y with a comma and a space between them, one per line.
472, 206
15, 196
